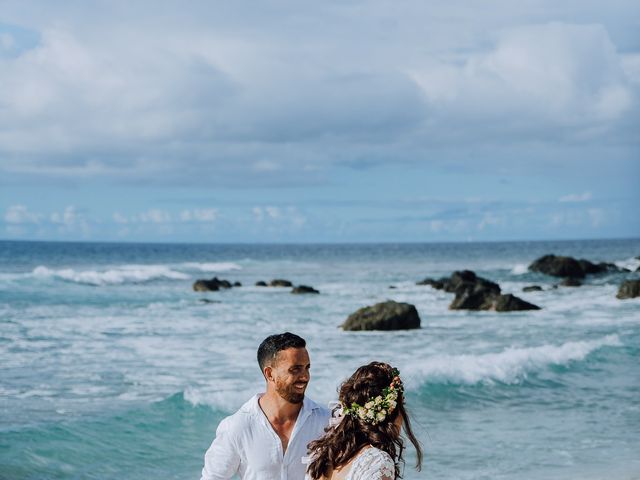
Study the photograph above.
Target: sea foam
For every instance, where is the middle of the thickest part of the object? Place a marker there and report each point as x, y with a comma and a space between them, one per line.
113, 276
630, 263
510, 366
520, 269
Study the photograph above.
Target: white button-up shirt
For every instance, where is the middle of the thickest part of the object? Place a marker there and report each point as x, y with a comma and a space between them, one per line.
246, 444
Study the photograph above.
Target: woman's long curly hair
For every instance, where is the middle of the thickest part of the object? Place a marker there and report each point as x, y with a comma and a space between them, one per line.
342, 443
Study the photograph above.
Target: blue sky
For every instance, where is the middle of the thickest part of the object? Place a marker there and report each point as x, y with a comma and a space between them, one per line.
287, 121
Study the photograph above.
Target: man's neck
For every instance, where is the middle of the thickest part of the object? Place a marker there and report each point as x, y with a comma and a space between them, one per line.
277, 409
282, 415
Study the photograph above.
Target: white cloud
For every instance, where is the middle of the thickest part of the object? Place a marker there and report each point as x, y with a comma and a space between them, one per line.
278, 102
566, 75
119, 218
154, 215
204, 215
273, 212
290, 215
258, 214
576, 198
69, 216
18, 214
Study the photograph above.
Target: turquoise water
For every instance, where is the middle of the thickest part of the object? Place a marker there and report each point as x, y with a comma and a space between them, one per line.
112, 367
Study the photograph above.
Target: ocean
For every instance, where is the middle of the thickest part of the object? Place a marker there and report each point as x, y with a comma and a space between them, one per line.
112, 367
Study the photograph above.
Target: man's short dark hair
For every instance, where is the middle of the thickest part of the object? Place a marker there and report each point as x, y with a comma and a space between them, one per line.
270, 346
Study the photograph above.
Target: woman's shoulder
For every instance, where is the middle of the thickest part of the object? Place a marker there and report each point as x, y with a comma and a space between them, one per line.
373, 463
375, 453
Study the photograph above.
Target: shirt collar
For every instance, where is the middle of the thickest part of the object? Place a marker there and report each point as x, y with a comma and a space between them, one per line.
253, 406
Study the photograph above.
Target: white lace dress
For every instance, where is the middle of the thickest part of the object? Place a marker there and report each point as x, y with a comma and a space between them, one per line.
371, 464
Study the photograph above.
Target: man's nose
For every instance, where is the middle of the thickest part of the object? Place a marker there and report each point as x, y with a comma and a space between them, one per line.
306, 375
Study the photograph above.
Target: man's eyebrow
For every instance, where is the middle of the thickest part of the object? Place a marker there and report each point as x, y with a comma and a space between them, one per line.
300, 365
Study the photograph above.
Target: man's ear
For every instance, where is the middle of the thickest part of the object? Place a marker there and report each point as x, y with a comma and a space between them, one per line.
268, 373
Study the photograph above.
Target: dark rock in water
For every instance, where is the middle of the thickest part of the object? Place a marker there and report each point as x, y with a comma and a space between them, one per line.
261, 284
602, 267
532, 288
237, 284
629, 289
211, 285
470, 299
206, 300
484, 300
570, 267
304, 289
387, 315
464, 280
558, 266
571, 282
460, 280
509, 303
437, 284
477, 293
278, 282
392, 287
472, 292
205, 286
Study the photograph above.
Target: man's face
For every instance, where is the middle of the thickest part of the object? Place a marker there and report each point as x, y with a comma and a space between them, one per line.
291, 373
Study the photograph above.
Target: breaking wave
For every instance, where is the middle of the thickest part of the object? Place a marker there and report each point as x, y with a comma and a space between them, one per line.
112, 276
520, 269
510, 366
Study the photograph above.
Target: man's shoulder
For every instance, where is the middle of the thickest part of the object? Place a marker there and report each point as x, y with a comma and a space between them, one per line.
241, 419
316, 409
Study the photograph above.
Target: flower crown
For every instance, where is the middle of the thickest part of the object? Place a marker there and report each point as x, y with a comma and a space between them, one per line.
377, 409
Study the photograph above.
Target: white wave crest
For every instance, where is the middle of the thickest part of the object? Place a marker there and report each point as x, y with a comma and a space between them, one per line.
226, 400
630, 263
520, 269
211, 266
509, 366
112, 276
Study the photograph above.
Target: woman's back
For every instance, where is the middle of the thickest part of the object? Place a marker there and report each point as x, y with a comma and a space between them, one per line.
371, 464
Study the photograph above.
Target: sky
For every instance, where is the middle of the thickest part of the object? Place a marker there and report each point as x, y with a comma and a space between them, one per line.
333, 121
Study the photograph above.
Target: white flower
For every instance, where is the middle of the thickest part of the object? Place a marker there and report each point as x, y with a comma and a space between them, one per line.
368, 405
380, 416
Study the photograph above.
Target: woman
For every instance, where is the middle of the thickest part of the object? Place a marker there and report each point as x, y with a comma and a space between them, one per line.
364, 442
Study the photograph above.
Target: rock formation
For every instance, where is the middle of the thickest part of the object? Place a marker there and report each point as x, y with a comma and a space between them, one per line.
387, 315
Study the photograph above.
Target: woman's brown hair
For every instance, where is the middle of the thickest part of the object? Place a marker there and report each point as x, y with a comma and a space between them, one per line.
341, 443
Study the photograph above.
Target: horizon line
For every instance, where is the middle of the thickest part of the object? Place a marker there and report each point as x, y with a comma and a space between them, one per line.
324, 243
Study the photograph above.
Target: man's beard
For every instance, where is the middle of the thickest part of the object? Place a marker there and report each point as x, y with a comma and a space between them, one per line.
289, 393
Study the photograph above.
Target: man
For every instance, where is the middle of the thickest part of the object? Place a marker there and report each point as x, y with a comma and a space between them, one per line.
267, 438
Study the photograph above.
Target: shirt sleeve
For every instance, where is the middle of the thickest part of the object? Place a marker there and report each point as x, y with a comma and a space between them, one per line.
222, 460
